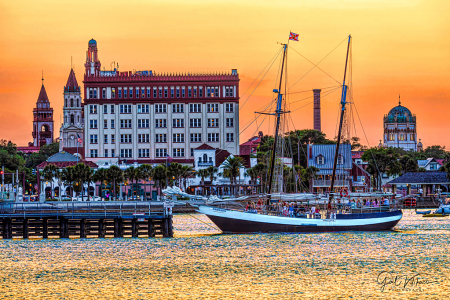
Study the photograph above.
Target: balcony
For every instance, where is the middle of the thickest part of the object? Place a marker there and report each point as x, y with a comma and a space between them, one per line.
327, 183
205, 164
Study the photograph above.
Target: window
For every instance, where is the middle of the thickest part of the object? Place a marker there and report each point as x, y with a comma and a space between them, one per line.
103, 93
125, 123
320, 160
195, 123
192, 151
172, 92
178, 92
91, 93
214, 107
177, 108
113, 125
217, 92
213, 122
148, 93
137, 93
195, 92
113, 93
160, 108
125, 93
213, 137
229, 91
143, 108
113, 152
105, 109
143, 123
178, 123
196, 137
161, 123
106, 153
94, 153
195, 108
229, 107
402, 136
144, 138
113, 139
340, 160
125, 109
161, 138
178, 138
120, 93
93, 124
178, 152
200, 92
143, 152
112, 109
411, 137
160, 92
105, 139
142, 93
105, 124
161, 152
93, 139
92, 109
208, 92
154, 92
125, 138
189, 92
166, 92
125, 152
230, 122
230, 137
183, 92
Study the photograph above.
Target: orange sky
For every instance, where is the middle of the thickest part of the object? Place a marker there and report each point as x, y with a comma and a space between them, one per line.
399, 47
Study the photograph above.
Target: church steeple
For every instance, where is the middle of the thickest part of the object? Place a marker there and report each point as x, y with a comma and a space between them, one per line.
42, 119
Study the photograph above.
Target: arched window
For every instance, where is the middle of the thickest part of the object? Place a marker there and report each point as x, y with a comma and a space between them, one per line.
71, 102
205, 157
65, 102
78, 119
72, 119
199, 159
78, 102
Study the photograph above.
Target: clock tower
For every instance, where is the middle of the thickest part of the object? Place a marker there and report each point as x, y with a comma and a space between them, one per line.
72, 127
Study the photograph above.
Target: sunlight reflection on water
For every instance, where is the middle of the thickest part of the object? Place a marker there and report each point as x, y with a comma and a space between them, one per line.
202, 263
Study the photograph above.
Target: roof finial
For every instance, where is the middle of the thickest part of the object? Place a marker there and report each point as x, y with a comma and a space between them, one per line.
42, 77
399, 103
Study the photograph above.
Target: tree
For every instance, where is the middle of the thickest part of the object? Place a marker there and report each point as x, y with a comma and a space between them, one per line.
446, 168
435, 151
174, 171
233, 165
408, 164
101, 175
49, 173
131, 174
202, 173
261, 171
188, 171
68, 177
382, 160
159, 176
421, 170
211, 172
144, 172
83, 174
252, 173
114, 175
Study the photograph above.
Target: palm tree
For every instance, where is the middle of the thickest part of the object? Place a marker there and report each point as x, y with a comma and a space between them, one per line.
188, 171
83, 174
251, 172
174, 170
67, 176
51, 171
131, 174
233, 165
203, 173
211, 172
159, 175
261, 170
114, 175
101, 176
144, 172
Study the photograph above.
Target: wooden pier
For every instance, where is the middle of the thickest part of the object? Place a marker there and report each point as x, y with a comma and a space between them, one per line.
83, 220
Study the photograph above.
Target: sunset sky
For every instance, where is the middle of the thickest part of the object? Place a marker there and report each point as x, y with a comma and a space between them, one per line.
399, 47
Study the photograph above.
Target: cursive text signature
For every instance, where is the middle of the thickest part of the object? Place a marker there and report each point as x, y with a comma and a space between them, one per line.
389, 279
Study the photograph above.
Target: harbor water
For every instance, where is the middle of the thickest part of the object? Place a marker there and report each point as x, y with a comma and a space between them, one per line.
411, 262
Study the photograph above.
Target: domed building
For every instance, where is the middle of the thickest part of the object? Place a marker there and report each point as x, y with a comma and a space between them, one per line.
400, 129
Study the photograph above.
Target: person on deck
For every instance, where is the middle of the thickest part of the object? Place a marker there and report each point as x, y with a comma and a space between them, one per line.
291, 210
313, 211
386, 202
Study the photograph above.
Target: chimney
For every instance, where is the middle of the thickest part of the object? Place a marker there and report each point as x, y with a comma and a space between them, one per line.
317, 122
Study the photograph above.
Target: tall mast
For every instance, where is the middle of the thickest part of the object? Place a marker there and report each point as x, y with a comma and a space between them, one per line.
343, 97
278, 113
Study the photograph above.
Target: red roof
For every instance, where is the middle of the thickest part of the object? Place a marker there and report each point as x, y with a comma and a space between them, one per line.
221, 155
43, 96
65, 164
29, 149
440, 161
72, 85
357, 154
205, 147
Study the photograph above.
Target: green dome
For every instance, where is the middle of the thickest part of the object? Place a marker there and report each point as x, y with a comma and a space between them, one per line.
401, 112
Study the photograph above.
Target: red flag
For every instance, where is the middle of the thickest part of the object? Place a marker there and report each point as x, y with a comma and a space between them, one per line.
80, 140
293, 36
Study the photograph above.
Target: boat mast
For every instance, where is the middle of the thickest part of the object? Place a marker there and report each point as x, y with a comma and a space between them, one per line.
278, 113
343, 97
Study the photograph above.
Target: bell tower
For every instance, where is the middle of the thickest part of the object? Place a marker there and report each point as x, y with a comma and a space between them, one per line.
42, 120
73, 124
92, 64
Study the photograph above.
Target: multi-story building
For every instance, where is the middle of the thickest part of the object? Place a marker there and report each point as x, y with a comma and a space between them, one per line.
42, 120
145, 116
71, 132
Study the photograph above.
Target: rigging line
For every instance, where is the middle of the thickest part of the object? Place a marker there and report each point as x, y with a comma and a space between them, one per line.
329, 87
330, 92
216, 228
327, 93
302, 106
267, 107
259, 82
273, 57
254, 120
315, 65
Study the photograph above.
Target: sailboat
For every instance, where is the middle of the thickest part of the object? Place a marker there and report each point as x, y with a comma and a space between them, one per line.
239, 221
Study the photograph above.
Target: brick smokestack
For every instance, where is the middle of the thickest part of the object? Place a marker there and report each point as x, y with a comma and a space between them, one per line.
317, 125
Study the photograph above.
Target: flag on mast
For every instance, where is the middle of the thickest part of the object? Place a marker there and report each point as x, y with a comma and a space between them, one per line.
79, 139
293, 36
